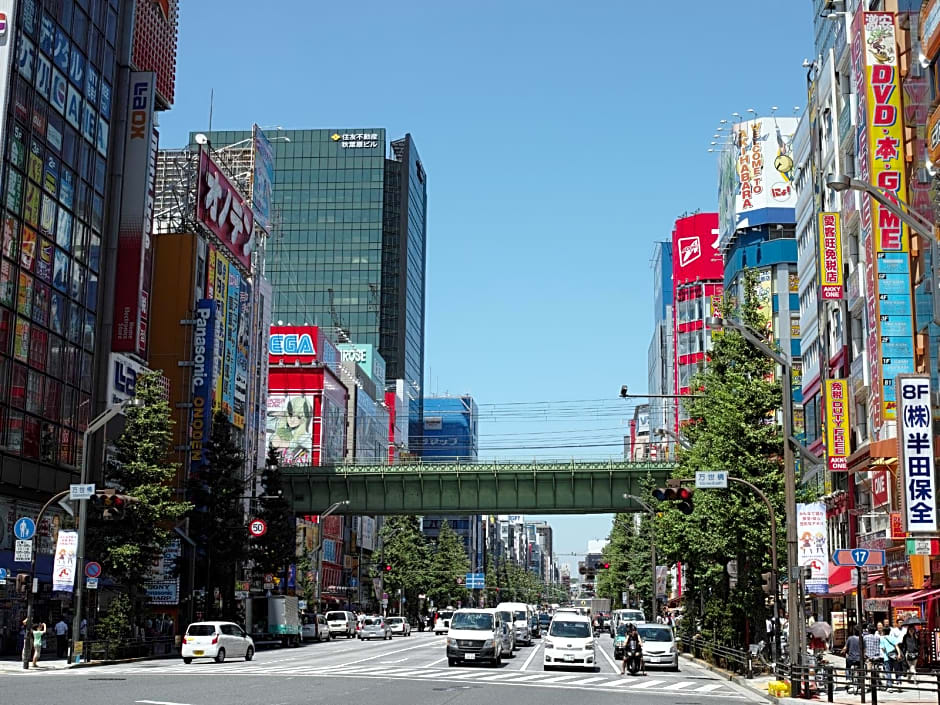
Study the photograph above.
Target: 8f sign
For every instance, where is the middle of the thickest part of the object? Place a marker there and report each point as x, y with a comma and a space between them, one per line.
915, 444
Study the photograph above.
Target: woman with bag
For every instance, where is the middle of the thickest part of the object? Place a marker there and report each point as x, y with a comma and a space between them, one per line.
891, 653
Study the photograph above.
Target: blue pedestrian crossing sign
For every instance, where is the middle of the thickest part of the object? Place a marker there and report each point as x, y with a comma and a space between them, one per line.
3, 573
24, 528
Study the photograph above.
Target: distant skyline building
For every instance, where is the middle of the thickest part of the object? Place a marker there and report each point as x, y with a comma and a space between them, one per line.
349, 237
661, 354
449, 432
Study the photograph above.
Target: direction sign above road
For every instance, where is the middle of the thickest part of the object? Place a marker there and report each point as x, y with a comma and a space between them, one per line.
24, 528
859, 557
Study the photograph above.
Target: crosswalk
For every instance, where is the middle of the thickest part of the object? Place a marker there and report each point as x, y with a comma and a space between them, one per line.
592, 681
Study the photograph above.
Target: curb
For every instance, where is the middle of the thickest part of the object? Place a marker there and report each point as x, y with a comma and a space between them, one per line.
733, 677
112, 662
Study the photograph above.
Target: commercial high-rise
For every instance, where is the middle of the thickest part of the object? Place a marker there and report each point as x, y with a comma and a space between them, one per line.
348, 240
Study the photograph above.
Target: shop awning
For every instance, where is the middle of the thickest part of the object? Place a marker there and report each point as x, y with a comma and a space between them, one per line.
840, 581
911, 599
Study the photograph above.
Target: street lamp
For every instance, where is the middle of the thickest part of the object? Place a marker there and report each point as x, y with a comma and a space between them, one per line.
94, 425
652, 514
794, 607
319, 549
842, 182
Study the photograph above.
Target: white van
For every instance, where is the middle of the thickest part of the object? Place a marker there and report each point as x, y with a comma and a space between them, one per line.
569, 642
522, 620
442, 623
341, 624
625, 616
475, 635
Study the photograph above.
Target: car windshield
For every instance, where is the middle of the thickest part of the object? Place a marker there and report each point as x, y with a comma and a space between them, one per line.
572, 630
519, 614
200, 630
445, 615
544, 618
655, 633
505, 616
394, 620
335, 615
369, 621
472, 620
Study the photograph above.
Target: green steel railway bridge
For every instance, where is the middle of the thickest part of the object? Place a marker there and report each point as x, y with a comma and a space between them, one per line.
574, 487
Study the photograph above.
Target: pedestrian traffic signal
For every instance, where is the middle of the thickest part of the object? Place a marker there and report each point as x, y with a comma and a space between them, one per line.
110, 504
21, 579
681, 495
767, 579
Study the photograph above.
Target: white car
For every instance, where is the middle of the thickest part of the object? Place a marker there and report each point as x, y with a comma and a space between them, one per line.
442, 623
475, 635
342, 623
315, 629
399, 625
216, 640
522, 620
569, 642
659, 645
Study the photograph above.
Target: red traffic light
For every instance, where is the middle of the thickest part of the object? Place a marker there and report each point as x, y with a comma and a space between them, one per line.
388, 567
605, 565
684, 494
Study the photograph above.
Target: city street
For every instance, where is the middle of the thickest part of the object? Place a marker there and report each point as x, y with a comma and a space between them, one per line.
405, 670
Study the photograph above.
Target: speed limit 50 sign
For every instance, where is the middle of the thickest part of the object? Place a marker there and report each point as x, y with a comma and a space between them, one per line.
257, 527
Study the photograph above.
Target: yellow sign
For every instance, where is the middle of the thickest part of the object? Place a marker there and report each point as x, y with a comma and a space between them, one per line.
77, 648
335, 137
837, 424
831, 283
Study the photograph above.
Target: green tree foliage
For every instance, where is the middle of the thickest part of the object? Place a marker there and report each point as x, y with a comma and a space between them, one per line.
731, 428
406, 550
515, 583
217, 521
274, 551
115, 626
306, 583
126, 547
628, 553
448, 562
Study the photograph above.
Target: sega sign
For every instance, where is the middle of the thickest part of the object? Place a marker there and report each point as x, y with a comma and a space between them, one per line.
290, 344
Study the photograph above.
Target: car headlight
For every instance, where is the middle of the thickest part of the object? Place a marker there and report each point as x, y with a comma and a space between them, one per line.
451, 642
548, 644
487, 643
673, 649
588, 646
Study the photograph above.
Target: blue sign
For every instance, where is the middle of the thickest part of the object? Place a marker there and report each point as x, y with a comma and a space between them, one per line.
475, 581
24, 528
93, 570
3, 573
859, 557
203, 379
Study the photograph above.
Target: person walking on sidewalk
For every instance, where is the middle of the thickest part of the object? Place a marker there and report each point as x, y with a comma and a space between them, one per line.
61, 637
891, 653
873, 650
910, 646
39, 631
853, 657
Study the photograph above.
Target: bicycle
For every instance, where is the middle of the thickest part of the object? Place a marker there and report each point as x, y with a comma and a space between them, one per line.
854, 678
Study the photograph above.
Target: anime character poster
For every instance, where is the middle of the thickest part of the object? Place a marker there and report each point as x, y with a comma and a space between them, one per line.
290, 427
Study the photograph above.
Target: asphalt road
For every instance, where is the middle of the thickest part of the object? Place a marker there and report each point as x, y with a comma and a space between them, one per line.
406, 671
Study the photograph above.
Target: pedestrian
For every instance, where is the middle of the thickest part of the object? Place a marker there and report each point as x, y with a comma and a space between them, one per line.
872, 647
61, 637
39, 632
910, 646
853, 655
83, 628
891, 653
898, 630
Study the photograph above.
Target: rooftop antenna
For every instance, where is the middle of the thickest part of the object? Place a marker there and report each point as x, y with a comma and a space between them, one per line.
211, 102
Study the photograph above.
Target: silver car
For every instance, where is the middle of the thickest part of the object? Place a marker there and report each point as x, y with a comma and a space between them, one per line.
399, 625
375, 628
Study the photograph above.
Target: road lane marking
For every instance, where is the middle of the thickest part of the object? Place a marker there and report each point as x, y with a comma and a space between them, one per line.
434, 663
708, 688
396, 660
531, 656
648, 684
498, 676
382, 654
679, 686
613, 664
158, 702
558, 679
588, 680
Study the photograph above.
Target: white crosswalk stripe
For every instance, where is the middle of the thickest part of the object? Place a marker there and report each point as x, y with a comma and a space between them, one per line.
497, 677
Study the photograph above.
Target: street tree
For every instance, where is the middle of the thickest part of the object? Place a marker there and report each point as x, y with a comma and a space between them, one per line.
126, 548
217, 521
448, 563
405, 549
731, 427
276, 549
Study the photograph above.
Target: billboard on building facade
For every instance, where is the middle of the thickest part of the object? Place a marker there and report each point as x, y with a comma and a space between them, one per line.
220, 294
831, 283
755, 180
242, 344
123, 372
368, 358
916, 454
290, 427
838, 400
224, 211
8, 9
135, 256
881, 162
695, 253
262, 179
205, 333
812, 536
233, 303
293, 344
155, 36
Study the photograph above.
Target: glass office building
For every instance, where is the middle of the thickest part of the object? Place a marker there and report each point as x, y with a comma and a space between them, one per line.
347, 251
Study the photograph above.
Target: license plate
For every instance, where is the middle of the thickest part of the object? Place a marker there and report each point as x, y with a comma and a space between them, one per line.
198, 653
569, 657
470, 657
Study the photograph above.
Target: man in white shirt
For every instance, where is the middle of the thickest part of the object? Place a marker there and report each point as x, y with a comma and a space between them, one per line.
61, 637
898, 631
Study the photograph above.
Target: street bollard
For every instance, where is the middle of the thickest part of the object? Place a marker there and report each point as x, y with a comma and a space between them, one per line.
874, 685
749, 673
861, 684
830, 685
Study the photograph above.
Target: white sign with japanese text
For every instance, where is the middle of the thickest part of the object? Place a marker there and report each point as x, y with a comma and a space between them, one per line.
915, 451
714, 479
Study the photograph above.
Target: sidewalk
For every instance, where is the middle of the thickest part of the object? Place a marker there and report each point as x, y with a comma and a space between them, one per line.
759, 683
14, 664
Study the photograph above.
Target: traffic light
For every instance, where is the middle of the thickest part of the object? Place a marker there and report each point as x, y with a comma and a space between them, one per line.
681, 495
110, 504
605, 566
388, 568
767, 579
21, 579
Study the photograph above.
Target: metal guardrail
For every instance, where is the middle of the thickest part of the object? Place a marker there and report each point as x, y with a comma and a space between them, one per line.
103, 650
729, 658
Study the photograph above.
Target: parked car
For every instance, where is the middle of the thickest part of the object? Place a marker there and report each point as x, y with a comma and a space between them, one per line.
475, 635
521, 621
659, 645
342, 623
216, 640
375, 628
569, 642
315, 628
400, 626
509, 632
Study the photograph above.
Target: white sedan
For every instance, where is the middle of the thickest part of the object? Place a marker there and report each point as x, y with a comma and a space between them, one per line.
400, 626
216, 640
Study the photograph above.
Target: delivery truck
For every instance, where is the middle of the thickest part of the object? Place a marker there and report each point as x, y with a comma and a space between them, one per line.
274, 620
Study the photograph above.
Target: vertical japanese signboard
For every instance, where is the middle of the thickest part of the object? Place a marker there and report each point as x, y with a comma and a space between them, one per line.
890, 342
837, 424
831, 284
915, 453
204, 365
224, 211
262, 179
63, 566
812, 537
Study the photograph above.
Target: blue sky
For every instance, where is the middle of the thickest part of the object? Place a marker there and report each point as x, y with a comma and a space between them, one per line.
560, 142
